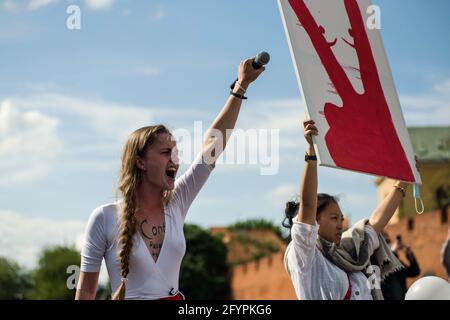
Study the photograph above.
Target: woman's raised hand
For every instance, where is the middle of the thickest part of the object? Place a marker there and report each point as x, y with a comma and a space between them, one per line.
247, 74
309, 130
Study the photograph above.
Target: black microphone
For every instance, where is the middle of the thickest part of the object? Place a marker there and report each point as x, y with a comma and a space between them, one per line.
260, 60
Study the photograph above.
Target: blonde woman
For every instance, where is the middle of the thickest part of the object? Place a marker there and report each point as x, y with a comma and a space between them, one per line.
141, 236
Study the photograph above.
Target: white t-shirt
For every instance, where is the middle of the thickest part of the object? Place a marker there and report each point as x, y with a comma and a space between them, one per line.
313, 276
147, 279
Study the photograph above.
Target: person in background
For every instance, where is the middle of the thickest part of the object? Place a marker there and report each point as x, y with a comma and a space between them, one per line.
445, 254
394, 286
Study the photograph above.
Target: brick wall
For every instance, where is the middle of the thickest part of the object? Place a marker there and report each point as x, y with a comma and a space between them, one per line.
425, 239
264, 279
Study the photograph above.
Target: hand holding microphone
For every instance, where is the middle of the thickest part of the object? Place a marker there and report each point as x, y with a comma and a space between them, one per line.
249, 70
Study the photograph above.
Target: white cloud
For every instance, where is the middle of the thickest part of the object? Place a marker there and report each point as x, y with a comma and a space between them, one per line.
109, 120
428, 109
34, 129
10, 5
266, 135
31, 5
286, 115
37, 4
158, 15
29, 144
443, 87
283, 193
149, 72
99, 4
24, 237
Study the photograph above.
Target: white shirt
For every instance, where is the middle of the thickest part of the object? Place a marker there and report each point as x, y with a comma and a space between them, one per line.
313, 276
147, 279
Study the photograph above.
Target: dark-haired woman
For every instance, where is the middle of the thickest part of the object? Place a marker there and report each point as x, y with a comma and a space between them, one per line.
324, 262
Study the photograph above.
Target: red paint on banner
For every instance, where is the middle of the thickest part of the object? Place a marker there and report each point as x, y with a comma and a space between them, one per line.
362, 135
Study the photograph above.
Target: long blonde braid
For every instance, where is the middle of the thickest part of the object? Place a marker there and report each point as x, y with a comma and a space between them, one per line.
130, 177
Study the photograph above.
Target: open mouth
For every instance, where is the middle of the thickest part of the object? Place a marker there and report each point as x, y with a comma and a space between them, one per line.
171, 173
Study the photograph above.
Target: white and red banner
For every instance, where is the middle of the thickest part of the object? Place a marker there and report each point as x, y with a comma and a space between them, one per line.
347, 85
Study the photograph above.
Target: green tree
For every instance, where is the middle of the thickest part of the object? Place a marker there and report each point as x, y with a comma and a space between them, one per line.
103, 291
205, 273
14, 283
51, 277
257, 224
253, 239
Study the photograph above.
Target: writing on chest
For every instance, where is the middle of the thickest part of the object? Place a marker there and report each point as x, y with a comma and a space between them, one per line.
153, 236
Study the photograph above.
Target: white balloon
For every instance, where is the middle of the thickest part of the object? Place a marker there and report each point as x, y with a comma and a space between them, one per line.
429, 288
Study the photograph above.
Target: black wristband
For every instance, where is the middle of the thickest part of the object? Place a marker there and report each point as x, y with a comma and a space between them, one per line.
308, 157
238, 95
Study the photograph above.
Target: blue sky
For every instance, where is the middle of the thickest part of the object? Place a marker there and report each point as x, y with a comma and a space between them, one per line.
68, 99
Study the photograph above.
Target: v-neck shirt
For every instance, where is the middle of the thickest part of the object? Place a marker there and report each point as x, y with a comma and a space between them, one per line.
147, 279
